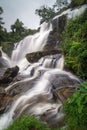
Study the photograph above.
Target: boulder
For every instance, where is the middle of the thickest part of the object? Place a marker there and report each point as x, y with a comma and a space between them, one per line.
9, 75
35, 56
63, 86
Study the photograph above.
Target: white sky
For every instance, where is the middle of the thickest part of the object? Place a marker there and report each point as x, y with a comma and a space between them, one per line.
24, 10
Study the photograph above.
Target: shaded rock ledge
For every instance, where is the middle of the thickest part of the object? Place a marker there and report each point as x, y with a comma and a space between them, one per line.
35, 56
9, 75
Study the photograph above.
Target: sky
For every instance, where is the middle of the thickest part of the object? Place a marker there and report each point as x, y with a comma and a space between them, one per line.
24, 10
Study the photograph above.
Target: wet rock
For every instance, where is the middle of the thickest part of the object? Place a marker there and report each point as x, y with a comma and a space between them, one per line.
9, 75
0, 53
63, 87
58, 28
63, 94
2, 71
1, 65
5, 100
51, 41
35, 56
14, 92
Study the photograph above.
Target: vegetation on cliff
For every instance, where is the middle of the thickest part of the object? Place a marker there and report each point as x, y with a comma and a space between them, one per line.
75, 3
76, 109
75, 45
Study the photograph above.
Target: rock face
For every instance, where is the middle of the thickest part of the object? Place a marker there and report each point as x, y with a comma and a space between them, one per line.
35, 56
0, 53
5, 101
6, 98
9, 74
64, 86
55, 38
0, 57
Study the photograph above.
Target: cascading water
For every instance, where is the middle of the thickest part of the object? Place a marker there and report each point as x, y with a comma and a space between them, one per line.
4, 59
72, 13
31, 44
39, 79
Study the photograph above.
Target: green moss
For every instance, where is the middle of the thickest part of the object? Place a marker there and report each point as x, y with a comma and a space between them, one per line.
76, 109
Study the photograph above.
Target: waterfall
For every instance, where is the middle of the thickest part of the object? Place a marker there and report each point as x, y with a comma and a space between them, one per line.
37, 100
4, 59
39, 82
72, 13
31, 44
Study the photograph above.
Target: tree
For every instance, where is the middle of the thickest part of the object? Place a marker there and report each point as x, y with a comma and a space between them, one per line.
2, 29
17, 27
1, 22
19, 31
46, 13
59, 4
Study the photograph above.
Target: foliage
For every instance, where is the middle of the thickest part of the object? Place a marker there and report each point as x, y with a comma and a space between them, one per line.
78, 2
18, 33
27, 123
2, 30
46, 13
17, 27
76, 109
75, 45
30, 123
1, 23
60, 4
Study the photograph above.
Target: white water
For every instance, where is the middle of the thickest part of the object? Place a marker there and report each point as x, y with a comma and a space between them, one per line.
30, 44
4, 59
38, 99
72, 13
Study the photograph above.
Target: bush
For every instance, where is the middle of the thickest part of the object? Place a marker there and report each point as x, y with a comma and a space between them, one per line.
75, 45
76, 109
27, 123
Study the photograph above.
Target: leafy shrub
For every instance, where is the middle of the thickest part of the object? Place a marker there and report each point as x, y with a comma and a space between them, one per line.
27, 123
75, 45
76, 109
